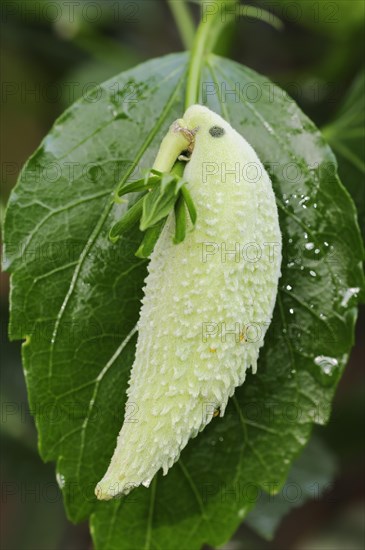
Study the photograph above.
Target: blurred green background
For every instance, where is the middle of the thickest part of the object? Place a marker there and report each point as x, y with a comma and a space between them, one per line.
54, 52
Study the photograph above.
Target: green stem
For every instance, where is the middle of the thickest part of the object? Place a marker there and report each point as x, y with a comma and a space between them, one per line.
172, 145
209, 30
183, 21
262, 15
205, 40
196, 62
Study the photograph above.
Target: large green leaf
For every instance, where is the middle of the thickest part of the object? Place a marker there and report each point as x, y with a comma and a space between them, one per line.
76, 298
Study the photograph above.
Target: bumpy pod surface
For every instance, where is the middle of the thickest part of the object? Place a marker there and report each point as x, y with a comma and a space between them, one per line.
207, 304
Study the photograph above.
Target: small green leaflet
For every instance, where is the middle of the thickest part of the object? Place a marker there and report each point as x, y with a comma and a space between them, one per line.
162, 192
180, 217
190, 204
158, 203
127, 222
150, 239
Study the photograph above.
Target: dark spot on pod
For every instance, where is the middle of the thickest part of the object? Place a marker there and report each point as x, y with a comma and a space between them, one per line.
216, 131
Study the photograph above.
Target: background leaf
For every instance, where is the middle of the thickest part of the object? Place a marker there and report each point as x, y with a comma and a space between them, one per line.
310, 476
346, 135
75, 297
327, 17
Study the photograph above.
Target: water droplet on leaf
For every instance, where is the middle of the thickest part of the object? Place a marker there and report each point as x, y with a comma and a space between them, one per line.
348, 294
327, 369
60, 480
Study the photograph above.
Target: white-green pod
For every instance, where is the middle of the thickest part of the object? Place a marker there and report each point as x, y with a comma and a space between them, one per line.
207, 304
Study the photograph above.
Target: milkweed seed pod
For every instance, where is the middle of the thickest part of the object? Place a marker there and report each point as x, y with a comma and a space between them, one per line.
207, 304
